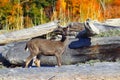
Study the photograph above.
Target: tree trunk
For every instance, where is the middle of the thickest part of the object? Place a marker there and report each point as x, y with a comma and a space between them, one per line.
28, 33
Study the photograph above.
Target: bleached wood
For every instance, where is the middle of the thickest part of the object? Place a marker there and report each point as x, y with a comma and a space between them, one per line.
28, 33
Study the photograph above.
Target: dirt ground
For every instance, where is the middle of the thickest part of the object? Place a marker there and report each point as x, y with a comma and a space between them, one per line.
96, 71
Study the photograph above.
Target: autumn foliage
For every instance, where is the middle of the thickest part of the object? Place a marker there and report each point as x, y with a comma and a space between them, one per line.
112, 9
19, 14
80, 10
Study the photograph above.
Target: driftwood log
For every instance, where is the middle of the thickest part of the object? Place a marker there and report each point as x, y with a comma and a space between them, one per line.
82, 49
89, 27
104, 49
28, 33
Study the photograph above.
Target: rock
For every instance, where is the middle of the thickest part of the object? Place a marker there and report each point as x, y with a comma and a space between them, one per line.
16, 53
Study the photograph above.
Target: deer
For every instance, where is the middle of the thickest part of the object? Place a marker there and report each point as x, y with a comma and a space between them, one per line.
47, 47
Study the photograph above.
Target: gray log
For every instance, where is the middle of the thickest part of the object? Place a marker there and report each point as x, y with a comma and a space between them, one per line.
28, 33
113, 22
106, 48
93, 28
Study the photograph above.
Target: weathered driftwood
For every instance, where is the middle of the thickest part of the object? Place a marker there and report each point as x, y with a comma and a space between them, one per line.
28, 33
78, 50
109, 24
76, 26
89, 27
103, 49
113, 22
106, 48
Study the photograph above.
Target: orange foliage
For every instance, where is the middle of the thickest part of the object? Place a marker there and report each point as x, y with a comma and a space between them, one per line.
60, 6
116, 2
15, 12
17, 9
90, 9
80, 10
75, 6
15, 16
60, 10
75, 9
11, 19
3, 2
27, 22
113, 10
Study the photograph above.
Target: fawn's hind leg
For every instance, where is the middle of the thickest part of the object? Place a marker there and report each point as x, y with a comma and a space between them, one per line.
28, 60
37, 61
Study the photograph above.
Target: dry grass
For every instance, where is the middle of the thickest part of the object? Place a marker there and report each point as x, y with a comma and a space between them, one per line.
109, 33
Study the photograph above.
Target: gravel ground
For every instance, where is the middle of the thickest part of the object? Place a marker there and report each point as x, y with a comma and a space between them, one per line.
98, 71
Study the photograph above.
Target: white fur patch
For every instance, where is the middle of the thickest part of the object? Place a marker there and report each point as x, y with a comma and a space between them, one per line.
27, 50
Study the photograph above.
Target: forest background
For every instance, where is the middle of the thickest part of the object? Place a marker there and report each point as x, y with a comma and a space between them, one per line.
20, 14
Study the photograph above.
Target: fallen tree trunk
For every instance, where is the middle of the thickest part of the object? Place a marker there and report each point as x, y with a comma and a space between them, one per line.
78, 50
104, 49
113, 22
28, 33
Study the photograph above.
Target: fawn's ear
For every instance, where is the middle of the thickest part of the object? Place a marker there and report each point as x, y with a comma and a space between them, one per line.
59, 27
66, 28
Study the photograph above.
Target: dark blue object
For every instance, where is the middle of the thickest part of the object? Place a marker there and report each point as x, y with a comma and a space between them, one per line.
82, 42
82, 34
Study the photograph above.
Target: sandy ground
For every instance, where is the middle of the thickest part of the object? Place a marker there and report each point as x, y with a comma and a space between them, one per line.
97, 71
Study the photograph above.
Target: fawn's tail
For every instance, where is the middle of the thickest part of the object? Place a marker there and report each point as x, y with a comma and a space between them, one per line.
26, 48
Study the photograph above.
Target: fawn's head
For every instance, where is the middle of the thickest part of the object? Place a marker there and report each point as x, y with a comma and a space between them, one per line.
62, 30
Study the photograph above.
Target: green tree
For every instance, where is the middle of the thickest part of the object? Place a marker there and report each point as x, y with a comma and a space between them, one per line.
16, 14
35, 9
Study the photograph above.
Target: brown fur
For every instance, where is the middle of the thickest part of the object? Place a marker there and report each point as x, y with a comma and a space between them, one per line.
46, 47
